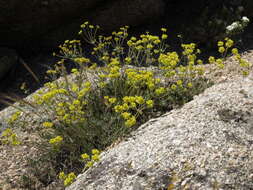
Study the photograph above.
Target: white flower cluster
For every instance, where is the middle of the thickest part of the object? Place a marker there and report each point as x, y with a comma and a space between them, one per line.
237, 26
245, 19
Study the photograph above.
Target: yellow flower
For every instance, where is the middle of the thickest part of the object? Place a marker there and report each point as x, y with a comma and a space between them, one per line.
156, 51
220, 43
151, 85
74, 70
139, 100
245, 73
173, 87
95, 157
91, 26
150, 103
51, 71
89, 164
62, 175
76, 102
81, 60
211, 59
133, 38
128, 60
102, 84
126, 115
74, 88
199, 61
179, 82
160, 91
189, 85
118, 108
14, 117
219, 61
163, 29
229, 43
95, 151
85, 156
125, 106
149, 46
56, 141
112, 100
72, 107
130, 122
198, 51
133, 104
164, 36
221, 49
48, 124
234, 51
69, 179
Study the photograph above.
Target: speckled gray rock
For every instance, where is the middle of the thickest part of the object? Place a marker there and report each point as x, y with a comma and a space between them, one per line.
206, 144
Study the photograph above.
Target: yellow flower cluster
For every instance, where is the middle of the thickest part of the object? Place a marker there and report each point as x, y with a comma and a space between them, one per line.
48, 124
223, 46
120, 36
130, 104
160, 91
244, 64
14, 117
56, 141
188, 49
70, 112
90, 160
67, 179
87, 25
81, 60
146, 41
49, 96
139, 78
130, 121
145, 49
8, 137
150, 103
71, 48
113, 69
109, 101
218, 62
168, 63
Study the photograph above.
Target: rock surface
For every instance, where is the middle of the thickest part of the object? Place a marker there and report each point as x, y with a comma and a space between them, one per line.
207, 144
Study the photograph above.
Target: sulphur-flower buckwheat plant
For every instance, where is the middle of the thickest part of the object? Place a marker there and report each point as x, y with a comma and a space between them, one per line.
125, 81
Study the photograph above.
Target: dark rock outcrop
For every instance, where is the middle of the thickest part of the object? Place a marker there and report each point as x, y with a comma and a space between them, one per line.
22, 21
25, 22
8, 58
